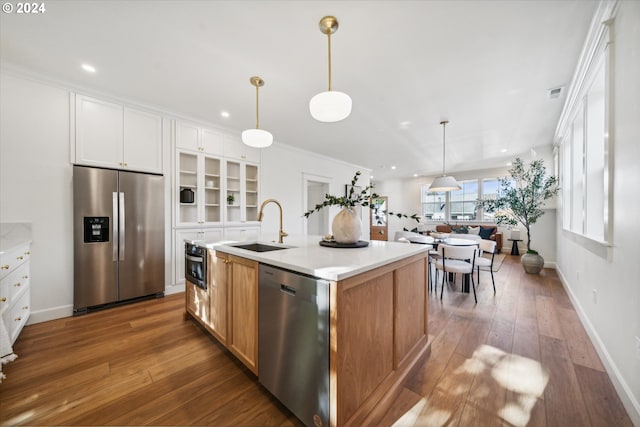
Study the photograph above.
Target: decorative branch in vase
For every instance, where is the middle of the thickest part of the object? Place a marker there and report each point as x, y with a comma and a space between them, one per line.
346, 225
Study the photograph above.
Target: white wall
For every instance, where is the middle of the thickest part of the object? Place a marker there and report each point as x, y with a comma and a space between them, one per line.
36, 185
613, 319
282, 173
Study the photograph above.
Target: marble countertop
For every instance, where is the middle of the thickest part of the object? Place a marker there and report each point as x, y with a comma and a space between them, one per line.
304, 254
13, 234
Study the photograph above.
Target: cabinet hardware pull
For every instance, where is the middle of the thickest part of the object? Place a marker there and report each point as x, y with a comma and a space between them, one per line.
20, 257
3, 299
5, 267
17, 285
18, 319
26, 307
28, 253
25, 277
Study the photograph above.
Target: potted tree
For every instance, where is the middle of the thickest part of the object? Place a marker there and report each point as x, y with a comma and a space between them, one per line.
520, 200
346, 225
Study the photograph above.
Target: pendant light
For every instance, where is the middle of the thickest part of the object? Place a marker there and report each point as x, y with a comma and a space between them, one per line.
257, 137
444, 182
330, 106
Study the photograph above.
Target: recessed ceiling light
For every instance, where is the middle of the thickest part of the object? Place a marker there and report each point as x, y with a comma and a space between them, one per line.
393, 168
89, 68
224, 114
371, 177
504, 150
415, 175
405, 124
508, 163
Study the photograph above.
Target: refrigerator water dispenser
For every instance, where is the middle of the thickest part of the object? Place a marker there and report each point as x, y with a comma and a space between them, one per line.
96, 229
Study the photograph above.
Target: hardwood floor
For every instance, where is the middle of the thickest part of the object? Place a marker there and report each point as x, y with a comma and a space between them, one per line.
518, 358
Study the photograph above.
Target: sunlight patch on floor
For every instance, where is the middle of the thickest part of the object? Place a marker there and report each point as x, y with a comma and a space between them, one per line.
410, 417
524, 379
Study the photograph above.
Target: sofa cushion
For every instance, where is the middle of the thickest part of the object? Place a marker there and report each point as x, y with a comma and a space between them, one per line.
486, 232
474, 230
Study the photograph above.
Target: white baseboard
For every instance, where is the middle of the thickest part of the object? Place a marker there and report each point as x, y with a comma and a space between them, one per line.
39, 316
629, 401
174, 289
53, 313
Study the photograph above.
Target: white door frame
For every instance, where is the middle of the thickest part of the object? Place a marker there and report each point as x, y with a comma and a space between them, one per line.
306, 177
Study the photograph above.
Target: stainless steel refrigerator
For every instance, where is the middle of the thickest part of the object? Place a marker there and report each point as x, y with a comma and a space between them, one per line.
118, 229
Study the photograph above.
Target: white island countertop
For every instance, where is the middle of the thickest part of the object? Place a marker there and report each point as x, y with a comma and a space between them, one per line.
13, 234
305, 255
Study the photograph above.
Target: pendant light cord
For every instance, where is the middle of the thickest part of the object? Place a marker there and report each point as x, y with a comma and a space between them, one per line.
444, 126
329, 62
257, 116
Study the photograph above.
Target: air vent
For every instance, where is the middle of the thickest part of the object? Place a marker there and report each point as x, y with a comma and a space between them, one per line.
555, 92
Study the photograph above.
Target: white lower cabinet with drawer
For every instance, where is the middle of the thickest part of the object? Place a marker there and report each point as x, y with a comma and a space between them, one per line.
15, 292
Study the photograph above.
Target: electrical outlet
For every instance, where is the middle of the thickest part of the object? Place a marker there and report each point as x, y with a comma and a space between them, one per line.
638, 347
595, 296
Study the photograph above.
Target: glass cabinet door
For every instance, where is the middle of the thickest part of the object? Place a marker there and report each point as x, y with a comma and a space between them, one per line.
187, 211
234, 192
212, 190
251, 193
242, 192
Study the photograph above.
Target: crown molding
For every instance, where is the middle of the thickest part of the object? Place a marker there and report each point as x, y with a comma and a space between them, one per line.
597, 40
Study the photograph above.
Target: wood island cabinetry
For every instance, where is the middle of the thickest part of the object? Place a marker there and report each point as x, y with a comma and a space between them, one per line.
228, 308
378, 324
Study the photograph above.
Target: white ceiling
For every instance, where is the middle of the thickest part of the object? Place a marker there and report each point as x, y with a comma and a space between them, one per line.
484, 65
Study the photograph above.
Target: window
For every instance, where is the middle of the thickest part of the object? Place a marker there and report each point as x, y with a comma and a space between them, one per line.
490, 187
433, 204
577, 162
460, 205
585, 149
463, 202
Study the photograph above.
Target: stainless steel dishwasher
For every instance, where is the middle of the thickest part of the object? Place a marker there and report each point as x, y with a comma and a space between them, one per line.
294, 342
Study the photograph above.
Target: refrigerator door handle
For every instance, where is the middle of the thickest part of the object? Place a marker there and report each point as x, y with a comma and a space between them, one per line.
114, 227
122, 232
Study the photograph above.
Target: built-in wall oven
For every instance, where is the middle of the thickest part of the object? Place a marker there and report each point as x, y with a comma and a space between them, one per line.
195, 264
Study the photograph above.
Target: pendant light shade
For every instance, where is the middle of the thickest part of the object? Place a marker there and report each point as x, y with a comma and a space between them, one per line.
330, 106
257, 137
444, 182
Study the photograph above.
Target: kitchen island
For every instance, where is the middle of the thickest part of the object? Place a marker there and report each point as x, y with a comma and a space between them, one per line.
377, 319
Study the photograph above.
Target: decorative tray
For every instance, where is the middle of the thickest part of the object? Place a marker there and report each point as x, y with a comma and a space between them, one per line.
334, 244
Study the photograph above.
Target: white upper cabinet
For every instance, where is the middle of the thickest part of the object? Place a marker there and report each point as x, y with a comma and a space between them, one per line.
192, 137
99, 132
235, 149
142, 140
111, 135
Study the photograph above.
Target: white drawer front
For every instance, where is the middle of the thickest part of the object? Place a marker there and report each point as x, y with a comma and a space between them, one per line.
17, 281
16, 318
10, 260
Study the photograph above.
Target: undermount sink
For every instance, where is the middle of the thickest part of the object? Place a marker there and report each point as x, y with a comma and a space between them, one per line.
259, 247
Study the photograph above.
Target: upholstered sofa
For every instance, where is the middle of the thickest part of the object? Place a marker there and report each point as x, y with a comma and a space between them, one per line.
488, 232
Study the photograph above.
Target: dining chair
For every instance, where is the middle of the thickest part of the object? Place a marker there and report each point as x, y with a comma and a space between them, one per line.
456, 259
487, 247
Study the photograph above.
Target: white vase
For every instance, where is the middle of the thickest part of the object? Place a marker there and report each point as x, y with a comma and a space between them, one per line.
346, 226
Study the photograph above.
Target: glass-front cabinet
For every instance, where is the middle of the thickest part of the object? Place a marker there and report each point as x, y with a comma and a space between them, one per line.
242, 192
199, 189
